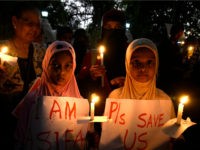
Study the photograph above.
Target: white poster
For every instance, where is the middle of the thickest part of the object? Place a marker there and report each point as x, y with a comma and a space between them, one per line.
135, 124
53, 124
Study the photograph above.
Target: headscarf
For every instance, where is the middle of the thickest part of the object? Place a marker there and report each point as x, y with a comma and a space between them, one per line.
43, 87
133, 89
49, 89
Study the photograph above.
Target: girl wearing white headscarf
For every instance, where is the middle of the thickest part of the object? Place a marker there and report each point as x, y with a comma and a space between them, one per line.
134, 89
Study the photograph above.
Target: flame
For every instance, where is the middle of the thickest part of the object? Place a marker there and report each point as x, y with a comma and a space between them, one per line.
101, 49
184, 99
4, 49
94, 97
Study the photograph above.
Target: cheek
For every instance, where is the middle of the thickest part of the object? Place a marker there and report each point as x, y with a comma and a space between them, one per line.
151, 73
68, 75
51, 75
133, 73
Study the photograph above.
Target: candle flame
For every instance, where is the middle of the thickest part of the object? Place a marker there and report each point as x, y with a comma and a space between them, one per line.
184, 99
101, 49
94, 97
190, 48
4, 49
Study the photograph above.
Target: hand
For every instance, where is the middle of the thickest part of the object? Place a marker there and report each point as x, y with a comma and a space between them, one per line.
97, 71
118, 81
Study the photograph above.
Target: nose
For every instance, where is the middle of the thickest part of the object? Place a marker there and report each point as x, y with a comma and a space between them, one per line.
143, 67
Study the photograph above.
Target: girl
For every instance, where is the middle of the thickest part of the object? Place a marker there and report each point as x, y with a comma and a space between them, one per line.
141, 71
141, 63
57, 79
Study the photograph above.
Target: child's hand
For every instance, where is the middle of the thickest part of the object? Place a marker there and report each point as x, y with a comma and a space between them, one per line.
118, 81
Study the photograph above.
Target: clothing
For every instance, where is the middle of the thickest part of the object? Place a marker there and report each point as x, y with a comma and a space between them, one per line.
43, 87
133, 89
12, 82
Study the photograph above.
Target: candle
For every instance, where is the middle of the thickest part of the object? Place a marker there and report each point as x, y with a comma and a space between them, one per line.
101, 51
4, 50
7, 58
94, 98
183, 100
190, 51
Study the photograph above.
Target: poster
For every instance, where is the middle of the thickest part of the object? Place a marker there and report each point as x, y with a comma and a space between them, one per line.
53, 124
135, 124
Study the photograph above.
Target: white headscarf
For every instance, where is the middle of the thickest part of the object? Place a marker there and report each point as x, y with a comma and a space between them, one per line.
133, 89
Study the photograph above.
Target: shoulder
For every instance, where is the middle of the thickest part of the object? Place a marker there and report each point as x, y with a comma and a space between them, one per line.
115, 93
162, 95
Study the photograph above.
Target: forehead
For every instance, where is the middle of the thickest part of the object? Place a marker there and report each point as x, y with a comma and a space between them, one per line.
28, 12
143, 52
61, 54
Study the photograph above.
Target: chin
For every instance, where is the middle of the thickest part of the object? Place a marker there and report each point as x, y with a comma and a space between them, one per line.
142, 80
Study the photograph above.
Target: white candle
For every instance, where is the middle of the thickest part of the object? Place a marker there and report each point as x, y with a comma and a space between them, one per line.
94, 98
92, 107
101, 51
180, 109
4, 50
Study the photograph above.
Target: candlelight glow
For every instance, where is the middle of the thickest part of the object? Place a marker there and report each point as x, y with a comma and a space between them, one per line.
190, 51
101, 49
184, 99
4, 49
94, 98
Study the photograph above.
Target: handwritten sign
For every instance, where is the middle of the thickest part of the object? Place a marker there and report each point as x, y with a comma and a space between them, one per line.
135, 124
53, 123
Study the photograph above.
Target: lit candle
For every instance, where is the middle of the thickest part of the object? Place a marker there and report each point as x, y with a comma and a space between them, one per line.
183, 100
4, 50
190, 51
94, 98
101, 51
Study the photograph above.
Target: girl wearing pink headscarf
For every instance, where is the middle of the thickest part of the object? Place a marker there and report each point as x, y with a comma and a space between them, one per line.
57, 79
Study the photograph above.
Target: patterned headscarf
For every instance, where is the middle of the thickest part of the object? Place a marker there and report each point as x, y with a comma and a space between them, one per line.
49, 89
133, 89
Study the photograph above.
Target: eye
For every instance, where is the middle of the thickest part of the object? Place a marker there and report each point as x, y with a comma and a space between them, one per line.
68, 66
150, 63
55, 66
135, 63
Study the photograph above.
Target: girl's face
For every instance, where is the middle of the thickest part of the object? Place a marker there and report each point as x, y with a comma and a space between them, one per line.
142, 64
60, 68
27, 26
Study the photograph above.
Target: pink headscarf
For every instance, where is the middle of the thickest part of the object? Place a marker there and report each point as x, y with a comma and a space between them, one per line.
43, 87
49, 89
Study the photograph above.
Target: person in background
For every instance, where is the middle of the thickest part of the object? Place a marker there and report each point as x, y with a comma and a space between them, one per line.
170, 59
17, 77
81, 45
57, 79
141, 73
89, 78
64, 33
